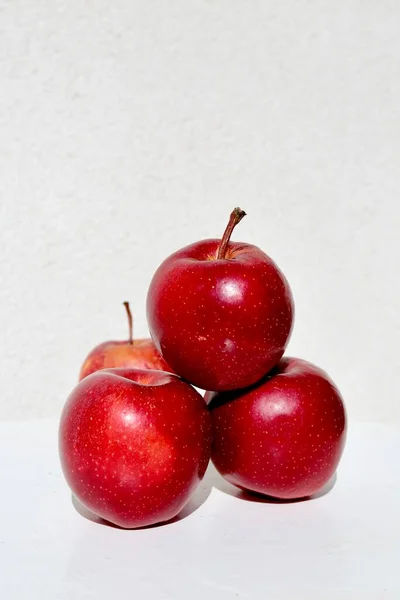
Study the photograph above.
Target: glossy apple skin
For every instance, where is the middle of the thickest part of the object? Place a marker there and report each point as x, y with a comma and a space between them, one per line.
134, 444
221, 324
284, 436
140, 354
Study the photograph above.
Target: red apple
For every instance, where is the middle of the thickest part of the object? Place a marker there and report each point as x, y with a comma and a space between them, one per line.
135, 354
134, 444
284, 436
220, 312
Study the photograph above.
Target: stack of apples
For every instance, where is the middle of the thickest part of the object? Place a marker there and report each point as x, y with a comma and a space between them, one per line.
135, 436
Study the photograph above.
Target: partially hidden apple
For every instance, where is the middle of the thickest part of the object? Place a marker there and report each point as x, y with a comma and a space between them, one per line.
220, 312
282, 437
130, 353
134, 444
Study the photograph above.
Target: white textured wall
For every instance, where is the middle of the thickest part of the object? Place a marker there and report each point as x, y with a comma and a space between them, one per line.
130, 128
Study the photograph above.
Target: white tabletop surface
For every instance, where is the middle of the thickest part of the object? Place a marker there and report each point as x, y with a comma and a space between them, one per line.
344, 544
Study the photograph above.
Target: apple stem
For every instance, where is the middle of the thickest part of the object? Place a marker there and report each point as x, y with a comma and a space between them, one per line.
236, 216
130, 321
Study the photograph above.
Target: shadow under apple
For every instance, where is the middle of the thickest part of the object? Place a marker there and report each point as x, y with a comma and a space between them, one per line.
200, 495
212, 479
221, 484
